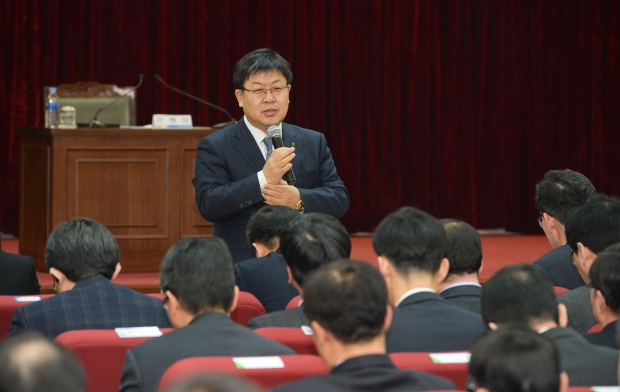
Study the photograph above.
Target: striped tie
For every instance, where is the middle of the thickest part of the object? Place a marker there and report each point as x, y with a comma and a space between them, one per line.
269, 145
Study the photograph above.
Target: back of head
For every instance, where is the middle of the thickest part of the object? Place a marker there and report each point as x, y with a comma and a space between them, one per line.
521, 294
81, 248
605, 276
311, 240
596, 224
515, 359
199, 272
213, 383
30, 362
260, 61
347, 298
411, 240
464, 250
560, 191
267, 224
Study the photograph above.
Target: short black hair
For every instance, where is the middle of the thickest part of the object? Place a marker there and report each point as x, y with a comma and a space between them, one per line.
199, 272
412, 240
311, 240
464, 250
267, 224
347, 298
520, 293
560, 191
260, 61
514, 358
605, 276
595, 224
31, 362
81, 248
214, 383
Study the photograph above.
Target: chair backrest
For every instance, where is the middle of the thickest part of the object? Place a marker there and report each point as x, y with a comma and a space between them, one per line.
247, 308
294, 303
8, 304
295, 338
560, 290
295, 367
102, 353
457, 372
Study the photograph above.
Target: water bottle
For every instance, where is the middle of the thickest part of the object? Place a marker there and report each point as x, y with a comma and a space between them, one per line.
51, 109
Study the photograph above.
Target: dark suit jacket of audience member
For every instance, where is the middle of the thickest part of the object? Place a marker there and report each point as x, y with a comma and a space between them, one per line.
607, 337
369, 373
18, 275
94, 303
426, 322
558, 265
284, 318
210, 334
266, 278
465, 297
579, 309
586, 364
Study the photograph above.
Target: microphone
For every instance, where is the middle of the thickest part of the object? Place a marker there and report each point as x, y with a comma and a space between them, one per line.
221, 109
275, 133
98, 124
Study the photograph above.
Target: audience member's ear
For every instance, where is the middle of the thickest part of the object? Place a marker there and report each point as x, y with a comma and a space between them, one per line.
235, 301
261, 250
292, 280
388, 318
481, 266
562, 315
117, 271
493, 326
481, 390
444, 268
587, 256
320, 336
174, 309
564, 382
61, 281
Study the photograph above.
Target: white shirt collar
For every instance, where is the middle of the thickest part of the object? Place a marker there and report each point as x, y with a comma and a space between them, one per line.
257, 133
544, 329
414, 291
460, 284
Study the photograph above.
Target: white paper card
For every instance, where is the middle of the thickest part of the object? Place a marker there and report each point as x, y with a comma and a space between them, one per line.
606, 389
450, 357
138, 332
29, 298
171, 121
258, 362
307, 330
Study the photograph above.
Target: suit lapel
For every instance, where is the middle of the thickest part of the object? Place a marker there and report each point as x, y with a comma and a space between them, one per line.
289, 135
245, 143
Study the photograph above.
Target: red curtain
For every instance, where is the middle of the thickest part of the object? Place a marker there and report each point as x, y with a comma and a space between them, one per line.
457, 107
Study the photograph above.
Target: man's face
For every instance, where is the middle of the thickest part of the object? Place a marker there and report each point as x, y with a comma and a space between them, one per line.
267, 107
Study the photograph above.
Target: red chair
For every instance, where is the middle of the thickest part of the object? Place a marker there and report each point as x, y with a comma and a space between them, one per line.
595, 329
7, 308
295, 367
457, 372
294, 338
247, 308
102, 353
560, 290
157, 295
294, 303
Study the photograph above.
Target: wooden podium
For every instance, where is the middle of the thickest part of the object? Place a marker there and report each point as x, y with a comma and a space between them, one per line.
137, 182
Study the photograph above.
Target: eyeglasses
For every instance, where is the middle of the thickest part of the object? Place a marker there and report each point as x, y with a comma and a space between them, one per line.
572, 256
539, 220
275, 91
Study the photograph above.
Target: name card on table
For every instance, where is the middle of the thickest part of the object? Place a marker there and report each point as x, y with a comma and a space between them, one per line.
444, 358
138, 332
172, 121
307, 330
28, 298
258, 362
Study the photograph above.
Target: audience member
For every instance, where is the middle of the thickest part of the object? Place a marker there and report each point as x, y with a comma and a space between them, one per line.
17, 274
30, 362
83, 257
198, 281
464, 252
266, 276
346, 302
307, 243
558, 193
589, 230
411, 245
524, 294
516, 359
214, 383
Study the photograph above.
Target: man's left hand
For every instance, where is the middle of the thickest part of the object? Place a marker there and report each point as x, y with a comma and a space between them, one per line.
281, 194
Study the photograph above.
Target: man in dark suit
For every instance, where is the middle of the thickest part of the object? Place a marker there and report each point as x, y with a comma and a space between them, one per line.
238, 170
266, 276
307, 243
461, 287
411, 245
558, 193
198, 280
17, 274
346, 302
83, 258
524, 294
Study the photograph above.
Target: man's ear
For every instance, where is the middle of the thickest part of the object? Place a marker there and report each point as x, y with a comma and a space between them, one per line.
261, 250
62, 278
117, 271
388, 318
444, 268
550, 221
587, 256
562, 315
481, 266
239, 96
384, 266
320, 334
564, 382
292, 280
235, 300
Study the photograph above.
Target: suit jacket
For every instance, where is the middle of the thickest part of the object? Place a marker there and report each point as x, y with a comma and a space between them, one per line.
560, 268
227, 187
210, 334
579, 309
586, 364
607, 337
293, 318
18, 275
465, 297
426, 322
267, 279
369, 373
94, 303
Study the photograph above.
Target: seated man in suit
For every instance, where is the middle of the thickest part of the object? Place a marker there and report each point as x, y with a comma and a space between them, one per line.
524, 294
266, 276
198, 280
83, 258
590, 229
513, 356
307, 243
558, 193
346, 303
411, 245
461, 287
17, 274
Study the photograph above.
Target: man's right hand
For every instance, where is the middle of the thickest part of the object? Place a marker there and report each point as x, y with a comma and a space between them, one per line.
278, 164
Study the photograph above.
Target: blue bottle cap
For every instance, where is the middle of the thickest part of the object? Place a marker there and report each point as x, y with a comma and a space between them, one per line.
52, 89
